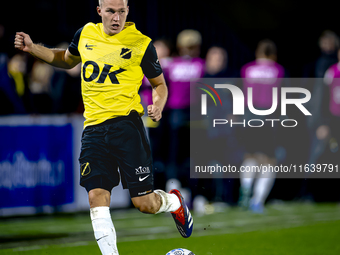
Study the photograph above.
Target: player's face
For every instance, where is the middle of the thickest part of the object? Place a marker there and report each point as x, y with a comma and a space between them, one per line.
113, 13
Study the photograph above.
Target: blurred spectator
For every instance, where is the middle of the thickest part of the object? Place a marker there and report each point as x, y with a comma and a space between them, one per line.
262, 75
328, 44
178, 73
17, 67
332, 80
325, 138
11, 84
328, 131
10, 102
66, 88
216, 65
318, 124
220, 189
40, 87
328, 123
156, 130
163, 49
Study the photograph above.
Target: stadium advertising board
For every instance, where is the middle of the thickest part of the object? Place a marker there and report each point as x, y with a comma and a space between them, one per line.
36, 166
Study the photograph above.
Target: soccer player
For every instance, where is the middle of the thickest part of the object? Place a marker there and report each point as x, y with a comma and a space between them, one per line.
115, 56
217, 64
262, 75
179, 71
331, 117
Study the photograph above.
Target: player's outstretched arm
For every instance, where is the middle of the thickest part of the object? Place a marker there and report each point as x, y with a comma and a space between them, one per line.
159, 97
56, 57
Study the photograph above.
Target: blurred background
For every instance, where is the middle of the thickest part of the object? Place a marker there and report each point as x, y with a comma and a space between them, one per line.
41, 106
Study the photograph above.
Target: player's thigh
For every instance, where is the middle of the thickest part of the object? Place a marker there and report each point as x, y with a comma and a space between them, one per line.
98, 169
133, 153
133, 147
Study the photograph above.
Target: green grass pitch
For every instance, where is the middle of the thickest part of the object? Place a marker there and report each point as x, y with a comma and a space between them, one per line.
287, 228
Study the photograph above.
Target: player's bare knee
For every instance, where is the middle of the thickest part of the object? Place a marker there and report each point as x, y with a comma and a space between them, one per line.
99, 197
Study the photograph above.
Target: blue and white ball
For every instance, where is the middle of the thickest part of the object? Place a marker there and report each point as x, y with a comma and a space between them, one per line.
180, 251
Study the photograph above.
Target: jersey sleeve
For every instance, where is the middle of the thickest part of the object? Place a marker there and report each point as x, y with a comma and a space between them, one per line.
73, 48
150, 63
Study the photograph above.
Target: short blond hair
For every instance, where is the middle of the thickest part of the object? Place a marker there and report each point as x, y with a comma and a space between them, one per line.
189, 38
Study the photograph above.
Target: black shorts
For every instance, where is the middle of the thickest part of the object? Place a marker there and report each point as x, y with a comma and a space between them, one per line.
119, 143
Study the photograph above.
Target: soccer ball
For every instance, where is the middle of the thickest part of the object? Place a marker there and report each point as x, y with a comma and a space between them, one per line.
180, 251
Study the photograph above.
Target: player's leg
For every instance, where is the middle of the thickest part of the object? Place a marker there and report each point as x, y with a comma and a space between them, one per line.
99, 197
262, 188
103, 228
147, 200
159, 201
95, 164
266, 157
156, 202
247, 176
250, 141
136, 168
151, 201
263, 184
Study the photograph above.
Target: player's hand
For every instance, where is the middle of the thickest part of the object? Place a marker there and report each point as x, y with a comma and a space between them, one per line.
154, 112
23, 42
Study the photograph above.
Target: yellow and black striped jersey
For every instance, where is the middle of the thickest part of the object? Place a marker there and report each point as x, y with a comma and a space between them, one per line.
112, 70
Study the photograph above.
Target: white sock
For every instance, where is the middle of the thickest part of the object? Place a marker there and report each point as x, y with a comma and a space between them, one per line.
170, 202
263, 187
104, 230
247, 178
246, 183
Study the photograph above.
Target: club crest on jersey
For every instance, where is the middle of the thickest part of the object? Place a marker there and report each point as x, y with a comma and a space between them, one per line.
142, 170
126, 53
85, 169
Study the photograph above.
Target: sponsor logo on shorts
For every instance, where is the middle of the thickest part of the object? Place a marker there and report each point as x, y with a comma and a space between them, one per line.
142, 179
144, 192
142, 170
